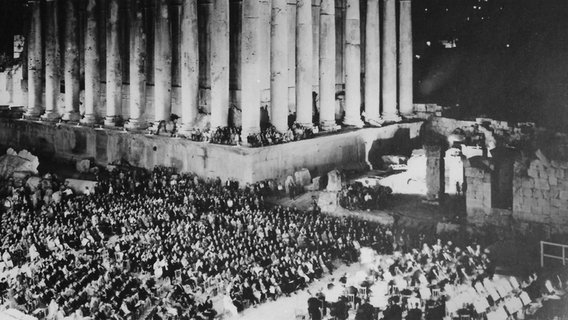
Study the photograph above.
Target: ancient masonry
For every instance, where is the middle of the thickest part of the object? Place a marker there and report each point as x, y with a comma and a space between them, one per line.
140, 61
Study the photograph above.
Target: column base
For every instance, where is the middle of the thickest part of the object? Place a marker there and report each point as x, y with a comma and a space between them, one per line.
328, 125
353, 122
111, 121
71, 116
375, 122
411, 115
135, 125
50, 116
89, 120
306, 124
31, 115
390, 118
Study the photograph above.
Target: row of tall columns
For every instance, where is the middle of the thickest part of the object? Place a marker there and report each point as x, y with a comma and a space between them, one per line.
388, 63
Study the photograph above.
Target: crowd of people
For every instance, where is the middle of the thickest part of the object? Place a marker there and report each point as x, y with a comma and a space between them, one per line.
267, 136
161, 242
356, 196
439, 281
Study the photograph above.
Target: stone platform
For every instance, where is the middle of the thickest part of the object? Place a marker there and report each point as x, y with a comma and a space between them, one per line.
350, 149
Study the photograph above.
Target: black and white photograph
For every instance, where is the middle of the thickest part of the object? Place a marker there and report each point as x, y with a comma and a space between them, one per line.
284, 159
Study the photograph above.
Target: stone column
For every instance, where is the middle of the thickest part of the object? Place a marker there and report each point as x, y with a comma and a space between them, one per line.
137, 70
71, 68
189, 65
35, 65
250, 78
51, 63
113, 67
327, 65
372, 64
162, 63
92, 74
405, 60
352, 65
388, 80
279, 65
219, 38
434, 171
304, 62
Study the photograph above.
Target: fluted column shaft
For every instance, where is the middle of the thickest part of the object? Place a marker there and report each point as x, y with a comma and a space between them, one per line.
219, 38
113, 67
279, 65
35, 65
51, 63
405, 67
189, 64
250, 78
372, 63
92, 74
72, 87
352, 64
162, 64
304, 62
389, 63
327, 65
137, 70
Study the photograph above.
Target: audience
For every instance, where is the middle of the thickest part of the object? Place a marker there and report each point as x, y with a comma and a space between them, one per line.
356, 196
161, 243
157, 241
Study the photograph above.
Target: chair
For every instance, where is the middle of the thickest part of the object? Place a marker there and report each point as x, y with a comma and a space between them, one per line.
351, 299
363, 291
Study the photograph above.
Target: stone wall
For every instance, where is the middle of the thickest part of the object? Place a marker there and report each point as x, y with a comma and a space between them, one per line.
478, 190
319, 155
540, 193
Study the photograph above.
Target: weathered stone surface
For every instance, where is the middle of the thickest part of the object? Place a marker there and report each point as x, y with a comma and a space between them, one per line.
10, 164
316, 182
33, 183
303, 177
327, 201
416, 164
334, 181
289, 183
83, 165
33, 161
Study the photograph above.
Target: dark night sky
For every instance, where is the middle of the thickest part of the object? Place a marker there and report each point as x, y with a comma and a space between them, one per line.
527, 81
